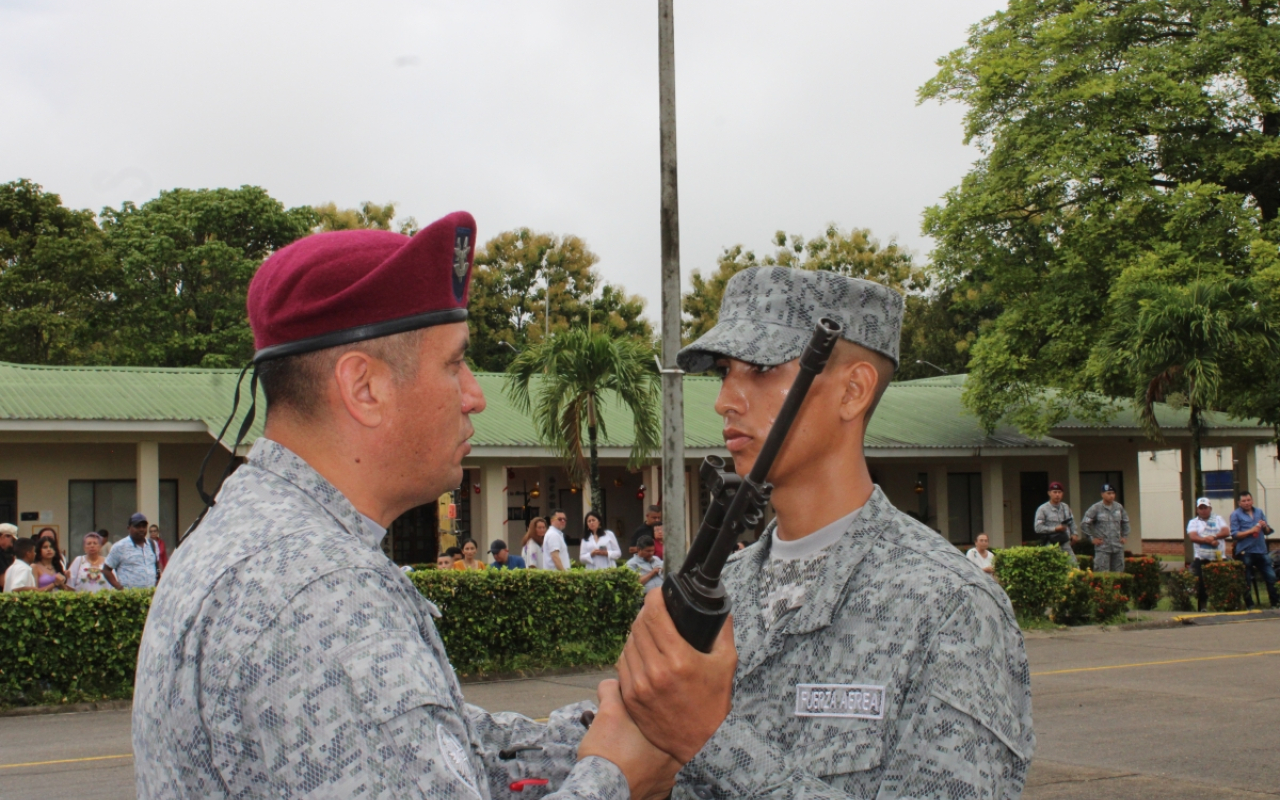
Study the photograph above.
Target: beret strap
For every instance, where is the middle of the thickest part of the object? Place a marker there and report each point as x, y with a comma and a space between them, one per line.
360, 333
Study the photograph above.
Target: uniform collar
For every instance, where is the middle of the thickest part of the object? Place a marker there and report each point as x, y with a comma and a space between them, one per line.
279, 460
843, 556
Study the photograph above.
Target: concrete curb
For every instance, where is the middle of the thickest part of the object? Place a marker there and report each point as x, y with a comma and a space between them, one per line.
69, 708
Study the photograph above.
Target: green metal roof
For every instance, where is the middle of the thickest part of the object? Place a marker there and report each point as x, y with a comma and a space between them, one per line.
925, 413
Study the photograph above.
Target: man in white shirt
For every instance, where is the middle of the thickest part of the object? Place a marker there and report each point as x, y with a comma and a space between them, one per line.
18, 577
1208, 533
981, 555
555, 553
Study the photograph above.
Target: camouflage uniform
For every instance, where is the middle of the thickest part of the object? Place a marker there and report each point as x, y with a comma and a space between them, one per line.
893, 667
285, 656
1110, 524
1049, 516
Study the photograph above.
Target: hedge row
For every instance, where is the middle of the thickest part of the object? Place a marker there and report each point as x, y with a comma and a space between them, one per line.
62, 647
70, 646
499, 620
1041, 583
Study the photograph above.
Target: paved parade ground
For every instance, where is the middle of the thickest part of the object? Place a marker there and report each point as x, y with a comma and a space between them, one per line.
1188, 712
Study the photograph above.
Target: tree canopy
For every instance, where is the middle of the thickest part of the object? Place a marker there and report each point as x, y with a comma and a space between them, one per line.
1123, 143
929, 328
564, 381
369, 215
55, 278
186, 259
520, 274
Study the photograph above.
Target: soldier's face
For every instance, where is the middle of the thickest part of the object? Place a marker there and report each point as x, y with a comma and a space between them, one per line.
1055, 495
1108, 497
749, 401
435, 411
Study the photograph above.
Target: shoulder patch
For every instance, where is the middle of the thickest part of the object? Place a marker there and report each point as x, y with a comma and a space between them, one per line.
455, 758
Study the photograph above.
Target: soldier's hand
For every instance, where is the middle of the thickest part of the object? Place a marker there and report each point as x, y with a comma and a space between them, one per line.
676, 694
614, 736
1097, 542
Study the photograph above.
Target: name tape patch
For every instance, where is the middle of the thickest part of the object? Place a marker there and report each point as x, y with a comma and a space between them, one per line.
839, 700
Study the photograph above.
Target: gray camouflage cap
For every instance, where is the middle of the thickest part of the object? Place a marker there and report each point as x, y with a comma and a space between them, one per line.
768, 314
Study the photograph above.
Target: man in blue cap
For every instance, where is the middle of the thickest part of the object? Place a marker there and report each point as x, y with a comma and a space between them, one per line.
135, 562
1107, 524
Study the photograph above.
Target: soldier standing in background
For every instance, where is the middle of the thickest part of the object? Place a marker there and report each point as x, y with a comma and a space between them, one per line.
1107, 523
1054, 522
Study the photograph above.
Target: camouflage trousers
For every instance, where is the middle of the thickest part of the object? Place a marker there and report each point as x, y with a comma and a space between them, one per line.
1071, 554
1107, 560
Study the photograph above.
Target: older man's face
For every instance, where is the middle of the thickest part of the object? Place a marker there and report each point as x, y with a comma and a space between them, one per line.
432, 425
6, 541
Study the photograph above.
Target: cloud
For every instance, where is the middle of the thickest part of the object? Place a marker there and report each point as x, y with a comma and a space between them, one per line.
541, 114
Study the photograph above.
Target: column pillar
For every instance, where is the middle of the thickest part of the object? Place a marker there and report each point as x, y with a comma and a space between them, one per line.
693, 486
492, 507
1073, 484
993, 501
938, 501
652, 485
1245, 458
148, 481
1133, 504
1188, 496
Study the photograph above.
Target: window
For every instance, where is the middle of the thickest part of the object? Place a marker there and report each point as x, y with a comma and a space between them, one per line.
109, 504
1034, 492
9, 501
964, 506
413, 535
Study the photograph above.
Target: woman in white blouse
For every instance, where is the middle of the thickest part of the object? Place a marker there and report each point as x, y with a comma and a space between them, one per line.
600, 548
981, 555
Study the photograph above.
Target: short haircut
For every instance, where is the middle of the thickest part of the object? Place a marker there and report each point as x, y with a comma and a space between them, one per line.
94, 534
655, 509
846, 352
104, 534
23, 547
453, 552
644, 541
298, 382
557, 512
1246, 494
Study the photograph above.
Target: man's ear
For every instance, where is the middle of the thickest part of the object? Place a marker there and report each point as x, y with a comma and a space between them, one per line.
363, 384
860, 382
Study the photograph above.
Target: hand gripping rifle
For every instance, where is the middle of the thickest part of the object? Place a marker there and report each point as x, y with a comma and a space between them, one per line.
695, 596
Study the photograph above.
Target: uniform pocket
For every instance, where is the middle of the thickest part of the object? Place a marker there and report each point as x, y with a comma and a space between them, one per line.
394, 674
839, 747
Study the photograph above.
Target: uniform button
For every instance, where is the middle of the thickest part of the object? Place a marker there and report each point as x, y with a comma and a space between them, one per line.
703, 791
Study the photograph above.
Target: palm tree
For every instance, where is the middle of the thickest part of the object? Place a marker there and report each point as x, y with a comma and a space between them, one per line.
1176, 341
563, 381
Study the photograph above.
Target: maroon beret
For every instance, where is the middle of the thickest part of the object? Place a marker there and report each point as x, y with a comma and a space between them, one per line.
336, 288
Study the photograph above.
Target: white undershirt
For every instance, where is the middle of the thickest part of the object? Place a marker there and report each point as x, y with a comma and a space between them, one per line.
794, 565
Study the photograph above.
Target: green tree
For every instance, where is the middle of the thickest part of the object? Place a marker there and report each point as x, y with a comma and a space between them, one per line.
519, 275
186, 259
369, 215
1180, 343
564, 383
1113, 135
55, 278
929, 326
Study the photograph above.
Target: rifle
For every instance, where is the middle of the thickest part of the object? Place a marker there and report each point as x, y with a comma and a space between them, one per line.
695, 596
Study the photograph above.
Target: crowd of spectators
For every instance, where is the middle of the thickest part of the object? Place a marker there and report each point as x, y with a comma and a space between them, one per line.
544, 546
39, 564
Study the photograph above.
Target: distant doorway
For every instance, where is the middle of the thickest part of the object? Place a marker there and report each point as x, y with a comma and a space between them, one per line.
964, 506
1034, 491
9, 501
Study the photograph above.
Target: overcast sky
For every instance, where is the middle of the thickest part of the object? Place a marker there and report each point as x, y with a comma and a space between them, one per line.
538, 113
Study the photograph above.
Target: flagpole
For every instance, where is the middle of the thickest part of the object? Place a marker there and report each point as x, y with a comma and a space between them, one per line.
673, 482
